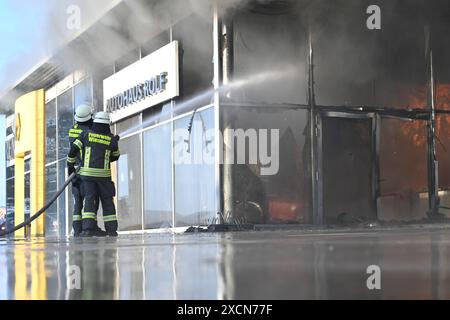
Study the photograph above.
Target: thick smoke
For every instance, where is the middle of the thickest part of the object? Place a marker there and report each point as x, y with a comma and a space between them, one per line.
358, 66
353, 65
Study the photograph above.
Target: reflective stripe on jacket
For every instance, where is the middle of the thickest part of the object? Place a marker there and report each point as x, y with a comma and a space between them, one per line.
74, 132
98, 151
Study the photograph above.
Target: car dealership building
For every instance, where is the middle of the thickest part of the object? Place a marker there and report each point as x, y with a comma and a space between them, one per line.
345, 119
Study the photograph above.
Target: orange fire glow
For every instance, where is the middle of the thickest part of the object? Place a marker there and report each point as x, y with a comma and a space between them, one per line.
415, 130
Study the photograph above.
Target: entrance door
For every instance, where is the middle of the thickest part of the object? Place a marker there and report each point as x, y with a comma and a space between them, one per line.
348, 169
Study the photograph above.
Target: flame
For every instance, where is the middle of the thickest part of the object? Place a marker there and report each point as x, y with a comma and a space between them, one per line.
403, 163
415, 130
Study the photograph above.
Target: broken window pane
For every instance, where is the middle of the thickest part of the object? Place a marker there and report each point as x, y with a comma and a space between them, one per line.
276, 187
403, 170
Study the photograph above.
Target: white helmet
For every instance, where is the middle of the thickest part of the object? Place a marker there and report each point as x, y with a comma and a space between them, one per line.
102, 117
83, 113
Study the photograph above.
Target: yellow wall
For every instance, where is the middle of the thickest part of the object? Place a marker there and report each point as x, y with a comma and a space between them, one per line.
30, 139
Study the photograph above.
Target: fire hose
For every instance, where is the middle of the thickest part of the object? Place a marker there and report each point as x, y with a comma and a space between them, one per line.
43, 209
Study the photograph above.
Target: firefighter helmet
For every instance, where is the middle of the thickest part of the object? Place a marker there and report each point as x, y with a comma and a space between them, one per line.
102, 117
83, 113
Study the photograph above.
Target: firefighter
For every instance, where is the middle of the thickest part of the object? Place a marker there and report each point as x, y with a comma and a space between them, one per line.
83, 122
98, 148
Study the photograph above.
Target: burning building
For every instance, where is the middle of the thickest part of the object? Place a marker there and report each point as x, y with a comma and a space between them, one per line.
353, 121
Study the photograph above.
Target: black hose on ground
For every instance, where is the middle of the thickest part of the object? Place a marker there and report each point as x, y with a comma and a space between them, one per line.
42, 210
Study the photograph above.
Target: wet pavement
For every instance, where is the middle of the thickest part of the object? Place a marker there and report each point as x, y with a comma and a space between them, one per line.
413, 263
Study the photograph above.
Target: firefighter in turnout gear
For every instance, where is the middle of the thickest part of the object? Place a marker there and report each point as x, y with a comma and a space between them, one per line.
98, 147
83, 118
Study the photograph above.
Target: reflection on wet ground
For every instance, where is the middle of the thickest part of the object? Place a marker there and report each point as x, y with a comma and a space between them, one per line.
414, 263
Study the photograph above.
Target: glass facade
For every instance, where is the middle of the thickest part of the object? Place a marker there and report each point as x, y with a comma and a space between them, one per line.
126, 60
10, 201
51, 215
156, 114
65, 122
152, 189
403, 196
195, 202
171, 176
129, 188
27, 195
10, 149
155, 43
9, 154
82, 93
62, 209
196, 60
59, 113
269, 50
442, 152
50, 132
277, 190
127, 125
157, 174
27, 164
147, 178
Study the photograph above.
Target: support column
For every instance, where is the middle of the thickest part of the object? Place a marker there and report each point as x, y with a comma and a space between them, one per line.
432, 163
30, 139
316, 192
228, 166
218, 141
37, 185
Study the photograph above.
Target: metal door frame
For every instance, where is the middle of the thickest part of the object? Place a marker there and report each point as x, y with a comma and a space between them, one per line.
375, 163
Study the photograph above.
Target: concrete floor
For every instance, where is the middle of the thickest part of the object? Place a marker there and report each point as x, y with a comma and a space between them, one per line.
414, 263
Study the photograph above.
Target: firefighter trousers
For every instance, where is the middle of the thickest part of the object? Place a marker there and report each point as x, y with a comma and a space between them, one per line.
78, 199
105, 190
77, 206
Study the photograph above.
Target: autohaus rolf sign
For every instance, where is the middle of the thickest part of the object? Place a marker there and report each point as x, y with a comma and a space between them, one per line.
141, 91
147, 82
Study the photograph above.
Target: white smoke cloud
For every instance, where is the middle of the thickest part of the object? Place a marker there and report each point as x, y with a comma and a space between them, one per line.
40, 37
